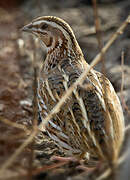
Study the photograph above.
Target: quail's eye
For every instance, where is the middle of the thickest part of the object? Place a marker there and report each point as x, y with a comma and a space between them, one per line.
44, 26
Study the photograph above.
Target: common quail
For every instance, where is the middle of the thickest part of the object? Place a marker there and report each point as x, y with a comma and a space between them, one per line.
91, 122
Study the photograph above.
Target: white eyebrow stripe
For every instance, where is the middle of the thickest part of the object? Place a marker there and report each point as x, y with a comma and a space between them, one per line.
38, 22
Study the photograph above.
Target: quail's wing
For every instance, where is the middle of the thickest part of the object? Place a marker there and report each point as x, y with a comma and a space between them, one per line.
115, 113
87, 120
104, 115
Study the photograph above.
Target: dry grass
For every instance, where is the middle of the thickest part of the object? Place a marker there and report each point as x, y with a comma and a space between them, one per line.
30, 134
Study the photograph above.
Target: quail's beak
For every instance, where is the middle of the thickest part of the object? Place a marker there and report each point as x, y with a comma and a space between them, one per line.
28, 28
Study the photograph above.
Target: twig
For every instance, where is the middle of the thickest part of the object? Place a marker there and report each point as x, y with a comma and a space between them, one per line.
122, 68
13, 137
35, 171
127, 128
108, 171
15, 125
97, 24
83, 75
35, 110
122, 83
98, 33
35, 103
48, 167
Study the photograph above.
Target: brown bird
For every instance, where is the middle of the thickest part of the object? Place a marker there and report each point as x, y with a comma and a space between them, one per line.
91, 122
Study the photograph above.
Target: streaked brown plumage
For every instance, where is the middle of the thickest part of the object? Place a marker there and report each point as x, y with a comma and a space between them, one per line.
90, 123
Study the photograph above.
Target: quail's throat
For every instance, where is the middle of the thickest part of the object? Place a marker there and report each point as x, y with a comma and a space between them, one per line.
59, 52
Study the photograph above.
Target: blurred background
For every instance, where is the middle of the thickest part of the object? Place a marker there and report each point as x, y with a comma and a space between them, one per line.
16, 70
